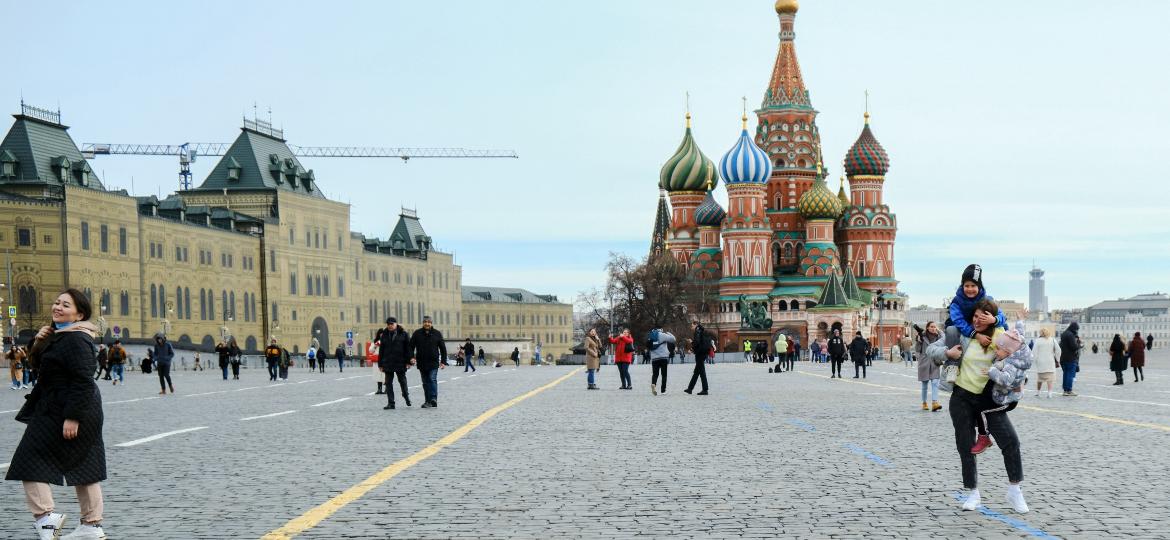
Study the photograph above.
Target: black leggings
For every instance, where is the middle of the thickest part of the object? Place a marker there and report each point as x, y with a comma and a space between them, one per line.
859, 366
659, 366
1136, 371
236, 370
624, 373
836, 365
965, 413
164, 376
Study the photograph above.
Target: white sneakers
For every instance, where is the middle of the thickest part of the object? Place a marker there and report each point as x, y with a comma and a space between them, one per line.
87, 532
49, 526
1015, 499
972, 501
654, 389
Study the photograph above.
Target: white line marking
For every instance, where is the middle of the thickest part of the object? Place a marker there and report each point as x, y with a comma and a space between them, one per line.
340, 379
13, 410
206, 393
248, 388
472, 375
370, 393
456, 378
137, 442
1128, 401
303, 382
131, 400
330, 402
266, 416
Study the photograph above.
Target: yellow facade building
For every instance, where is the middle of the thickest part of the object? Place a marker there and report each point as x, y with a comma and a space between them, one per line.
508, 314
255, 251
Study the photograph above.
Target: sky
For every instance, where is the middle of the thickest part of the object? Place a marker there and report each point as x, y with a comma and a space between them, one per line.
1018, 132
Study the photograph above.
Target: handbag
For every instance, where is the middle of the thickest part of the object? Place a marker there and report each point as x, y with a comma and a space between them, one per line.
629, 347
26, 411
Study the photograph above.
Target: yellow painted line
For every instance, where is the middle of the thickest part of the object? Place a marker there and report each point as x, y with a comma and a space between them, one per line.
1090, 416
315, 516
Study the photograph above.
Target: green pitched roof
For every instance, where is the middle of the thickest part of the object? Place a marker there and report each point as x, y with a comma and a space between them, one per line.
833, 293
39, 148
408, 235
852, 291
264, 163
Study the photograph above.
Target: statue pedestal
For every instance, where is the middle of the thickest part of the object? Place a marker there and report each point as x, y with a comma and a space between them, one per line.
753, 335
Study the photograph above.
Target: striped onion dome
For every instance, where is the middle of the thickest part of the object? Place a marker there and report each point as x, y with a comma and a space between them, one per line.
819, 202
867, 157
709, 213
688, 169
745, 162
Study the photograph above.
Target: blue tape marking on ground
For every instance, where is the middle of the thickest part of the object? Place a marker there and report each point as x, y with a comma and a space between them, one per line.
764, 406
1011, 522
868, 455
740, 397
802, 425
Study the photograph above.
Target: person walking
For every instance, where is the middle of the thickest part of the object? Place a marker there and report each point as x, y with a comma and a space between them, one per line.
907, 346
857, 349
103, 366
592, 358
1046, 358
781, 352
393, 358
468, 350
972, 393
1070, 356
272, 358
340, 354
285, 362
836, 353
427, 347
623, 356
659, 343
1117, 354
117, 361
163, 354
794, 354
1149, 346
322, 356
234, 357
311, 355
516, 353
928, 372
482, 362
224, 353
62, 441
1137, 357
814, 352
701, 346
16, 360
895, 352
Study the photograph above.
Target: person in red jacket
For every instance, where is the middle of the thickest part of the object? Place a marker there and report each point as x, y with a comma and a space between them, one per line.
623, 351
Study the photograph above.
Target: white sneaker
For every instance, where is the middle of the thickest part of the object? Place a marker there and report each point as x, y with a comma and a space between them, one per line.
87, 532
972, 501
654, 389
1015, 499
49, 526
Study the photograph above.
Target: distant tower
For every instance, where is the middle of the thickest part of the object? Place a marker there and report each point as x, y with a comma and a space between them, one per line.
747, 268
661, 226
685, 177
867, 229
1037, 301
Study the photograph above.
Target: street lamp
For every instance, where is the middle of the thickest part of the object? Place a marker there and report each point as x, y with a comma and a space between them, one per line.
102, 309
2, 287
881, 304
224, 331
166, 322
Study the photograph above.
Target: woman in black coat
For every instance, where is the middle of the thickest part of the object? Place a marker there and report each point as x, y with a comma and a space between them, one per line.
1117, 360
62, 444
857, 350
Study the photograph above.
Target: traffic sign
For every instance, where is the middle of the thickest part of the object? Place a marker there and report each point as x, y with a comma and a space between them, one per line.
12, 312
349, 336
117, 330
349, 342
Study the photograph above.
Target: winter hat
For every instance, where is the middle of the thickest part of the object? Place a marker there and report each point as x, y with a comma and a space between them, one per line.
1009, 341
391, 320
973, 272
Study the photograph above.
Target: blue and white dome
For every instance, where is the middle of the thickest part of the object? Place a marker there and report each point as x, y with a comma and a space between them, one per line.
745, 162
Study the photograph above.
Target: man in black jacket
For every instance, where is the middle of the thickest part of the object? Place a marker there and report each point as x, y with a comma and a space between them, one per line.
837, 353
427, 347
393, 355
1070, 356
701, 346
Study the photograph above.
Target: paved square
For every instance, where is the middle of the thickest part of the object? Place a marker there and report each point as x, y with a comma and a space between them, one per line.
793, 455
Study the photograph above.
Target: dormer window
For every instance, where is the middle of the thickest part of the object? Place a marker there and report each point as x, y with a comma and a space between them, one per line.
7, 165
276, 168
307, 178
62, 165
82, 172
234, 171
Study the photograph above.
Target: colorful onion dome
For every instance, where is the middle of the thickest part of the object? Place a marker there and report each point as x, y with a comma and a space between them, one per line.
745, 163
841, 194
688, 169
819, 202
867, 157
787, 6
709, 213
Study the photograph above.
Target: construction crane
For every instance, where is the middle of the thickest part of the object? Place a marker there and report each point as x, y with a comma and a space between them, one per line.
188, 152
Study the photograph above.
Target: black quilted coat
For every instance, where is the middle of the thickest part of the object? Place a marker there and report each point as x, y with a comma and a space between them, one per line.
65, 389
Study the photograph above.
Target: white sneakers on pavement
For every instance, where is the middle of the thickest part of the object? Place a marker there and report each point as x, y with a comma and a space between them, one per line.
49, 526
87, 532
972, 501
1015, 499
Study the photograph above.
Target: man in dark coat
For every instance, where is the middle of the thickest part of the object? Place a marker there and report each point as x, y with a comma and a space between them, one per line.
163, 355
468, 356
857, 350
272, 358
701, 346
427, 347
340, 354
1150, 342
393, 357
516, 356
1070, 356
836, 353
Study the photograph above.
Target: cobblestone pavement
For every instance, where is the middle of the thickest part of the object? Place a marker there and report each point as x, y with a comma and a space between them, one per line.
793, 455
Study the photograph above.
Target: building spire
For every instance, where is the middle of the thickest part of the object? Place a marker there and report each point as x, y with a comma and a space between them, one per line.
786, 88
661, 226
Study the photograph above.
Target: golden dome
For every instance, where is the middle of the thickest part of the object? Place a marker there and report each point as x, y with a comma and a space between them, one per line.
787, 6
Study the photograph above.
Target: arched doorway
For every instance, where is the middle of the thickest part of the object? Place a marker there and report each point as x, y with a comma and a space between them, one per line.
250, 344
320, 331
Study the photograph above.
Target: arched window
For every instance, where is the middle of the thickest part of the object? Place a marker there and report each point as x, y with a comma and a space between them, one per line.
153, 301
782, 306
124, 304
795, 306
202, 305
226, 307
187, 301
232, 303
179, 302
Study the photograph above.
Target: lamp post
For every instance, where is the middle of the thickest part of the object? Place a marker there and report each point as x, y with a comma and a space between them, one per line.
2, 338
224, 331
166, 322
881, 304
102, 309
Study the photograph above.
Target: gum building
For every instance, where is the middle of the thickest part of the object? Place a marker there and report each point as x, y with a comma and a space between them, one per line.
255, 251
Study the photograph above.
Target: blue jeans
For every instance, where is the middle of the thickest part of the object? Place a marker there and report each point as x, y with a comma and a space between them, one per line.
430, 384
467, 364
591, 372
933, 384
624, 373
225, 368
1069, 372
117, 370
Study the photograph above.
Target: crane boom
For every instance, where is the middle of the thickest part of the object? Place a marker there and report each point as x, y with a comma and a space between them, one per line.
90, 150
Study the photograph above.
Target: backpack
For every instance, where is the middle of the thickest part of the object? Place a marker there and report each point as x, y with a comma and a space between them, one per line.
312, 355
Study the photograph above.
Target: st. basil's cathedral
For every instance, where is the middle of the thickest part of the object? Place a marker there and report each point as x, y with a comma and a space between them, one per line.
787, 255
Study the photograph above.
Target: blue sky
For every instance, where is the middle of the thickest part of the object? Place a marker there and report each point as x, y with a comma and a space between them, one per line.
1017, 130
